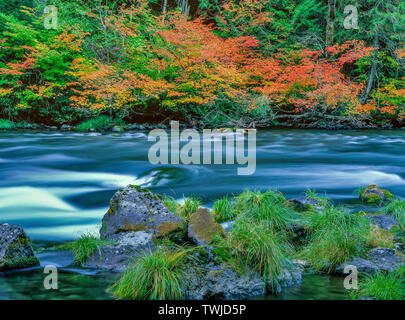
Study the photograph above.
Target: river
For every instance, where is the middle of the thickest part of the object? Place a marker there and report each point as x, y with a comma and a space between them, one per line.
57, 185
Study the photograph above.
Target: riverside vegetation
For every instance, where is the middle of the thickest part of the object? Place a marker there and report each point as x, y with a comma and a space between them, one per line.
218, 63
269, 235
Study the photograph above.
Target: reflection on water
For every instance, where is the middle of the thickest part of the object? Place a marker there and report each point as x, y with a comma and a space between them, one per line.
71, 286
314, 287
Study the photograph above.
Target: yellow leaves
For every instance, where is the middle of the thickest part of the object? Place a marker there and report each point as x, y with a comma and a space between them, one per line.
4, 92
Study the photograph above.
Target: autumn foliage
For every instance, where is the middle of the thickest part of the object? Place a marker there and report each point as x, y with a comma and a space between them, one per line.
171, 64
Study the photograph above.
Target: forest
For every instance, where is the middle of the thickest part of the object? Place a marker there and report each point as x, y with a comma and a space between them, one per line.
207, 63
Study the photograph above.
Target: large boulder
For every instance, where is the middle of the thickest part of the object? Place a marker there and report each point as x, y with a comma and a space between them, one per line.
375, 195
203, 229
15, 249
378, 259
134, 209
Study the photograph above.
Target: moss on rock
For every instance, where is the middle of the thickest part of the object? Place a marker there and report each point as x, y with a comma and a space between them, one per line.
202, 228
168, 227
375, 195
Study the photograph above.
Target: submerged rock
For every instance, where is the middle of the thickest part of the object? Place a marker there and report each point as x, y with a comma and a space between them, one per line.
203, 229
135, 209
375, 195
222, 283
304, 204
378, 259
15, 249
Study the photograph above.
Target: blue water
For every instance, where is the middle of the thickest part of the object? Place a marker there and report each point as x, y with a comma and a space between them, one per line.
58, 185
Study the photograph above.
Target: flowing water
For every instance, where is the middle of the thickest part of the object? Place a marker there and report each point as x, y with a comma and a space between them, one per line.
58, 185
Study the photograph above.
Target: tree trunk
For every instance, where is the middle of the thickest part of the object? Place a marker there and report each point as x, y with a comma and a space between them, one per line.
185, 7
373, 69
164, 6
330, 23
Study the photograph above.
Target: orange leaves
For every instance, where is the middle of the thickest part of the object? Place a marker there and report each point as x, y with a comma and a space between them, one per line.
307, 79
206, 66
19, 68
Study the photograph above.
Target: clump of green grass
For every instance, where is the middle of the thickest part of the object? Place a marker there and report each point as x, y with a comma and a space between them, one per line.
190, 206
6, 124
185, 210
396, 208
378, 237
321, 200
83, 247
256, 246
223, 210
159, 275
382, 286
171, 204
268, 206
98, 123
335, 236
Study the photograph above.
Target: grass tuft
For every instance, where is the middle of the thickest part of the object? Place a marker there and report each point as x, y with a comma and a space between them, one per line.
335, 236
185, 210
382, 286
223, 210
256, 246
380, 238
159, 275
83, 247
268, 206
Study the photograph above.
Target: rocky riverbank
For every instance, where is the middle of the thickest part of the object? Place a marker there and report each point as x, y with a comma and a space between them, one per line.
269, 243
128, 127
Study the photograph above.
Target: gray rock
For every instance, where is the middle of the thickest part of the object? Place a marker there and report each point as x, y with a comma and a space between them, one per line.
66, 127
133, 126
15, 249
222, 283
304, 203
385, 258
127, 246
137, 209
362, 265
117, 129
382, 221
207, 279
379, 259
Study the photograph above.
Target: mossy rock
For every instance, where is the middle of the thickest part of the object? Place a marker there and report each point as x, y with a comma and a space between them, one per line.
168, 227
375, 195
203, 229
134, 209
15, 249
